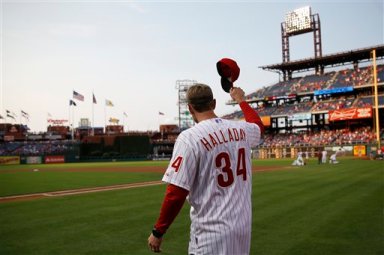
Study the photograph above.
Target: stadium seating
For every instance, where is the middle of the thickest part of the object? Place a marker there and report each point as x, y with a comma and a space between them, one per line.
281, 88
368, 101
289, 109
333, 104
361, 135
330, 80
32, 148
312, 83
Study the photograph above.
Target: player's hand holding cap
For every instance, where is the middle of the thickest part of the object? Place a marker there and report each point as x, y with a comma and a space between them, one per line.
229, 72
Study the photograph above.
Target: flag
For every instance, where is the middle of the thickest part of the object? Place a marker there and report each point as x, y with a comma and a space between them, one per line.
49, 115
10, 116
78, 96
114, 120
24, 114
71, 102
161, 113
108, 102
94, 98
125, 114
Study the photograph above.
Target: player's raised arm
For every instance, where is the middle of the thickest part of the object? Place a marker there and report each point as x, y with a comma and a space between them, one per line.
250, 114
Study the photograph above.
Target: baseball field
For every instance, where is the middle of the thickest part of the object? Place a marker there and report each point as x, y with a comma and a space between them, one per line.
110, 208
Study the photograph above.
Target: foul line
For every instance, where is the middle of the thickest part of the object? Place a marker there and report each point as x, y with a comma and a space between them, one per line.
78, 191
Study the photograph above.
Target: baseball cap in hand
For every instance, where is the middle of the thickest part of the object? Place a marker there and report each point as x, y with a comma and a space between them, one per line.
229, 72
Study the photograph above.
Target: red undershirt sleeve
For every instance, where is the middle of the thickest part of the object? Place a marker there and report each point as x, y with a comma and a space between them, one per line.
172, 204
251, 115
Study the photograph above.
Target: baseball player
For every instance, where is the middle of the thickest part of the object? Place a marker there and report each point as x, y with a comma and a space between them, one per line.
324, 158
332, 158
211, 168
299, 161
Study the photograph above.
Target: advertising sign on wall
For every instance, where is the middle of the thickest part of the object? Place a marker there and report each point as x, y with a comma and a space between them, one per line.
350, 114
54, 159
34, 160
10, 160
332, 91
359, 150
300, 116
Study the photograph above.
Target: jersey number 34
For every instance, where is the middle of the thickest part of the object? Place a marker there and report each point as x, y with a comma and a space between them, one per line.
226, 178
223, 162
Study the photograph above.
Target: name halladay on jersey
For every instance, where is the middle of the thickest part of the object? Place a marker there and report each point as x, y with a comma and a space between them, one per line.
222, 136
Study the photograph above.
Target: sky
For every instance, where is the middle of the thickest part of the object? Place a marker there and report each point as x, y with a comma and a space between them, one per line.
133, 52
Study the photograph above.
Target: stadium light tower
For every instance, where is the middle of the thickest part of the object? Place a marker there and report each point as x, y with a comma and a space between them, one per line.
298, 22
185, 119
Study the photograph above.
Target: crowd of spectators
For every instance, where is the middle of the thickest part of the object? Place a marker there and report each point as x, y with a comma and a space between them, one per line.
310, 106
335, 104
357, 77
312, 83
361, 135
258, 94
33, 148
331, 80
282, 88
289, 109
368, 101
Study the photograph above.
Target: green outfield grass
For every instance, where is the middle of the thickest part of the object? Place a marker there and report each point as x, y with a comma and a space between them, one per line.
51, 178
316, 209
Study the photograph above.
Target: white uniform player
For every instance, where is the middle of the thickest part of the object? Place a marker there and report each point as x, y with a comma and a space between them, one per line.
211, 160
332, 159
211, 163
324, 158
299, 161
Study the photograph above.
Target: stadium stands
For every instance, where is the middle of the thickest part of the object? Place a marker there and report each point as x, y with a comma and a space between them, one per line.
312, 83
32, 148
289, 109
335, 104
362, 135
281, 88
368, 101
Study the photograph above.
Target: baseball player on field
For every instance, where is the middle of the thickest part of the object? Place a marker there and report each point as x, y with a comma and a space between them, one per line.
211, 167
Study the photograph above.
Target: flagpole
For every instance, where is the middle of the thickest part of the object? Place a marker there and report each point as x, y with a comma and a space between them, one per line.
105, 118
93, 116
72, 131
73, 123
69, 118
123, 121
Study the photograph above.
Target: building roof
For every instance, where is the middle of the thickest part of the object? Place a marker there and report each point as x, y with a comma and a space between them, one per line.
337, 59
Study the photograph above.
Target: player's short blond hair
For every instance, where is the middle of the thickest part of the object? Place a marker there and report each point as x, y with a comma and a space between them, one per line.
200, 96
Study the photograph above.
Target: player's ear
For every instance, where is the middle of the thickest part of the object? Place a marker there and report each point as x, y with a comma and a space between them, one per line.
213, 104
191, 110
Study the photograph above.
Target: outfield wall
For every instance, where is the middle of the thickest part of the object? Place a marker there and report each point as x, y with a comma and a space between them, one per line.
360, 150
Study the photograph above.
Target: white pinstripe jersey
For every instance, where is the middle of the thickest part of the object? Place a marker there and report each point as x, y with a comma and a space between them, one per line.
212, 160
